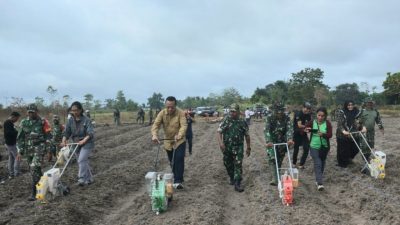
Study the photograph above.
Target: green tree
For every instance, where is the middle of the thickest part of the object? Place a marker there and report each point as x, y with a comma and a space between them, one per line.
52, 92
88, 101
156, 101
97, 104
120, 100
392, 88
347, 91
39, 101
131, 105
303, 85
66, 99
229, 96
110, 103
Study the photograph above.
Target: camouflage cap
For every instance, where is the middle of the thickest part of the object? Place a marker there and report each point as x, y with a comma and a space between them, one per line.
32, 108
234, 108
368, 99
278, 107
307, 105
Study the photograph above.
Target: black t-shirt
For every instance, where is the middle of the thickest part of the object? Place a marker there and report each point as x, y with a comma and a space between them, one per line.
10, 133
304, 118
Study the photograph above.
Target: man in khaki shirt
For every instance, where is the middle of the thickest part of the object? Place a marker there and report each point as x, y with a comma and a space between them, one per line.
174, 124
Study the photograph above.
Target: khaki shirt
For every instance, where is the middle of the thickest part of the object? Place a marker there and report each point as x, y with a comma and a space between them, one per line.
174, 124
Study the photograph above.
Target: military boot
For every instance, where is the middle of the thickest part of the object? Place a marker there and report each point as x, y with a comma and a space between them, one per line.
238, 188
274, 179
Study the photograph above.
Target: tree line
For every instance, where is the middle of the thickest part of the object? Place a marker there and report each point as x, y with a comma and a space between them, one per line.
305, 85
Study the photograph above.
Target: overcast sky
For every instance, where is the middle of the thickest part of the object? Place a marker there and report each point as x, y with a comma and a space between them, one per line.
190, 47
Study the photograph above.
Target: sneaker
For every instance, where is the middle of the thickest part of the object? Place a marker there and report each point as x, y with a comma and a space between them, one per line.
2, 182
31, 199
300, 166
272, 182
178, 186
81, 182
320, 187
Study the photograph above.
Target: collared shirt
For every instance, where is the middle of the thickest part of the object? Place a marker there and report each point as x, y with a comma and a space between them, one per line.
174, 124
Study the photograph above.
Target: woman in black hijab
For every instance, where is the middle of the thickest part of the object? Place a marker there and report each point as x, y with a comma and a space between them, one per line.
347, 122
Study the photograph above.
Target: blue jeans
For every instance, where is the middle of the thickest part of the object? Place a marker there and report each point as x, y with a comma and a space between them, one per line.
178, 166
319, 158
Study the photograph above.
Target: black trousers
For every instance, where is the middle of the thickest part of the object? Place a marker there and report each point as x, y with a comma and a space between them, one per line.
301, 141
346, 151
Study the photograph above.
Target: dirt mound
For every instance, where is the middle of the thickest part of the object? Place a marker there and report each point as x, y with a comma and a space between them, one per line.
123, 156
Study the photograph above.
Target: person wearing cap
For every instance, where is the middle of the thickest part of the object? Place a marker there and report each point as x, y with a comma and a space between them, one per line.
278, 129
32, 137
369, 117
56, 137
79, 129
301, 118
10, 137
174, 124
232, 132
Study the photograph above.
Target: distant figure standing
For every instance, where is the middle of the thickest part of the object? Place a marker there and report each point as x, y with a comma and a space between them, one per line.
151, 115
140, 116
189, 131
56, 137
247, 116
10, 137
117, 116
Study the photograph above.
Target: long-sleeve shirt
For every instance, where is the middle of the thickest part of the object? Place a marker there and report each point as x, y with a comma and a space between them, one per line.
173, 124
78, 130
369, 117
10, 133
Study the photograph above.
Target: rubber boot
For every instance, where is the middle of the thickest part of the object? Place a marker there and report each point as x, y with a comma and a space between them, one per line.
274, 179
33, 196
238, 188
231, 181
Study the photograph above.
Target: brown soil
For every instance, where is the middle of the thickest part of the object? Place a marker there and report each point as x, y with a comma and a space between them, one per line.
123, 156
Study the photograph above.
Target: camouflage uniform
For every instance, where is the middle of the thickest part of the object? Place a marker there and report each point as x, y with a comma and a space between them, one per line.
277, 130
368, 118
140, 116
233, 131
56, 135
31, 143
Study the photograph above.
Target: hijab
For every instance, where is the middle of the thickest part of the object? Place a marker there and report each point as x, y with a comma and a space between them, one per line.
350, 115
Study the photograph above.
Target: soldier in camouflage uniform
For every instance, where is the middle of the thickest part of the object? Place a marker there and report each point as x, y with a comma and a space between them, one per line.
231, 133
31, 143
278, 129
56, 136
368, 117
